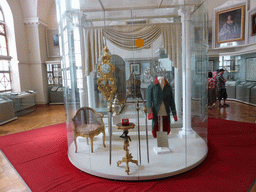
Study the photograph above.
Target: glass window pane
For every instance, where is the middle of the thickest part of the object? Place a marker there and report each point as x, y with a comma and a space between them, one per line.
5, 81
4, 65
50, 78
79, 73
2, 31
1, 16
3, 50
80, 83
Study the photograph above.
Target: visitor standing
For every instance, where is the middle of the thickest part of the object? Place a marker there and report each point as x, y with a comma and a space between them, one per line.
211, 90
221, 87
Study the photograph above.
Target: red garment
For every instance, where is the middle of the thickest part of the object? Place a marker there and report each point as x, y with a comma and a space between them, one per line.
166, 125
212, 83
214, 74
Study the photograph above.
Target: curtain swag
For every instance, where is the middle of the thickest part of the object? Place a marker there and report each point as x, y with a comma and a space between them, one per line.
125, 37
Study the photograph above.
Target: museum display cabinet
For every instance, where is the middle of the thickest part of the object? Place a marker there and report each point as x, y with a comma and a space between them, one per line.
239, 73
54, 80
23, 102
7, 113
113, 58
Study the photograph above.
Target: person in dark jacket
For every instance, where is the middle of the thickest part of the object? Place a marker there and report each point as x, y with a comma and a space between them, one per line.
160, 102
221, 87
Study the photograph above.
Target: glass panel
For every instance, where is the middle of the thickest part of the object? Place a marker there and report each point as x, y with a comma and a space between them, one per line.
199, 86
2, 31
3, 49
5, 81
140, 65
1, 15
50, 78
4, 65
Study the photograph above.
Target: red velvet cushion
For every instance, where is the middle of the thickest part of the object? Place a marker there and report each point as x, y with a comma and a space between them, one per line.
87, 128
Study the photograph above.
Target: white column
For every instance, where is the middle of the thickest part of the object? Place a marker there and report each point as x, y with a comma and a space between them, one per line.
178, 91
35, 32
185, 13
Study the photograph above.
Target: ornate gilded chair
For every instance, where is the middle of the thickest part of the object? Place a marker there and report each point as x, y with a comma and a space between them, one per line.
88, 123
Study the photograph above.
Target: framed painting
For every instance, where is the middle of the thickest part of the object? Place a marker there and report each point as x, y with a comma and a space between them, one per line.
230, 24
55, 40
253, 24
53, 43
135, 68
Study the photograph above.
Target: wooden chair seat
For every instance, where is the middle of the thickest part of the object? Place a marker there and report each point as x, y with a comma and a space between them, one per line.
88, 123
87, 129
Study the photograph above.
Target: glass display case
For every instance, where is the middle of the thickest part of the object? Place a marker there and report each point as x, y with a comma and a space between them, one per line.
7, 113
23, 102
54, 77
108, 55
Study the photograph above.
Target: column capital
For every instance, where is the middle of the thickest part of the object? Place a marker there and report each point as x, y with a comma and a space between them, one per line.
186, 11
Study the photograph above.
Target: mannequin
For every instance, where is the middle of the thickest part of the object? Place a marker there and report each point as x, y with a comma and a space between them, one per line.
159, 102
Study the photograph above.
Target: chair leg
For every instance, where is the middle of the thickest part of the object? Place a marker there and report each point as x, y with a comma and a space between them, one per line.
87, 140
91, 138
104, 136
75, 144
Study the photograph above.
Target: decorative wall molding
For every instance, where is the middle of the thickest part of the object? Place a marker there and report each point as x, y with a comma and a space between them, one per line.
34, 21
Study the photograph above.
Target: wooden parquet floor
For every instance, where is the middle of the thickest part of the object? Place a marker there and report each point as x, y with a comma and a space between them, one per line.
236, 111
46, 115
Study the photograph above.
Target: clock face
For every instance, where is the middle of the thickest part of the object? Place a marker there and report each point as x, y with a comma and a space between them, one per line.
105, 68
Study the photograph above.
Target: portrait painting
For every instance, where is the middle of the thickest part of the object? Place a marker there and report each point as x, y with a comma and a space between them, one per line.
253, 24
135, 68
230, 24
55, 40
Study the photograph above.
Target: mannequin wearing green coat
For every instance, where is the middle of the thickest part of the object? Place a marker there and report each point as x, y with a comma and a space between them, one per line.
160, 102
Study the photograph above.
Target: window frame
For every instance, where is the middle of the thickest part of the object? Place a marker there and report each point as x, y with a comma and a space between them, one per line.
5, 57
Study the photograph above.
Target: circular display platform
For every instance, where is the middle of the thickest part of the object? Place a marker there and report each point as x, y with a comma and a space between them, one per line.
183, 156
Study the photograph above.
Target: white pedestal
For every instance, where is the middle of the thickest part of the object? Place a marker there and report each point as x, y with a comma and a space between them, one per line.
161, 150
162, 143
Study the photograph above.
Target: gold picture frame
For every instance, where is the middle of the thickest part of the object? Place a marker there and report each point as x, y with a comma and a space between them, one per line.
230, 24
253, 24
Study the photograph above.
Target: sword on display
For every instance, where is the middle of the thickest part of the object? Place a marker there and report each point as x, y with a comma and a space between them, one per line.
138, 113
146, 119
110, 130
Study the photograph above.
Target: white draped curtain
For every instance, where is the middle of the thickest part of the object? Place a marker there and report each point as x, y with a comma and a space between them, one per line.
125, 37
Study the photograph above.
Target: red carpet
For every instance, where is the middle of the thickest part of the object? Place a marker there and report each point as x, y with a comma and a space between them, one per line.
40, 157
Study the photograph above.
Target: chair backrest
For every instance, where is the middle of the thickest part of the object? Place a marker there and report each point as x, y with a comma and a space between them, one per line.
87, 115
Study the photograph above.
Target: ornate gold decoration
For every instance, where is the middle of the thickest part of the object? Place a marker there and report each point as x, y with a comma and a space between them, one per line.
106, 82
128, 156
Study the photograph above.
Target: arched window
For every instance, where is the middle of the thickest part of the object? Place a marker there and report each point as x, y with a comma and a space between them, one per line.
5, 78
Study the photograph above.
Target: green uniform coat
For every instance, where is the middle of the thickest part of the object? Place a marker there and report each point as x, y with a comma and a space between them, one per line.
155, 96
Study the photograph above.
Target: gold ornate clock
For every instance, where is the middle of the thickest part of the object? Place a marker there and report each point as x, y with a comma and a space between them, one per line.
106, 82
